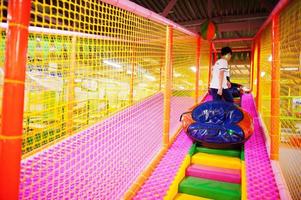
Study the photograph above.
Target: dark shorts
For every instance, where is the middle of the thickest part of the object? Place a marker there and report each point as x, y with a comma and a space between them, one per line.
227, 95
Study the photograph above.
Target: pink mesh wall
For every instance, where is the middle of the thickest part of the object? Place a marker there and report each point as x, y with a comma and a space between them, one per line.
158, 184
178, 106
100, 162
261, 182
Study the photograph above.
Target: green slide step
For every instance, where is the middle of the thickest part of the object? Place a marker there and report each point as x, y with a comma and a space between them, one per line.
210, 189
223, 152
192, 149
242, 156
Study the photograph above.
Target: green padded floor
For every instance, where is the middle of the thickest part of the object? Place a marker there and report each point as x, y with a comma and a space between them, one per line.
224, 152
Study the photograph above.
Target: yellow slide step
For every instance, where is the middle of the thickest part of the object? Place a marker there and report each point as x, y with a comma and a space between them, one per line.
216, 161
182, 196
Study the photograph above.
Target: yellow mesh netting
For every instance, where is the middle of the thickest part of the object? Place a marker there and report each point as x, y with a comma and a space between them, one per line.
290, 96
240, 68
102, 60
204, 66
184, 77
91, 62
265, 75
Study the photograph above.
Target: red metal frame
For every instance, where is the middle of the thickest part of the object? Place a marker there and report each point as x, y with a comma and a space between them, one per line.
13, 97
210, 62
237, 49
258, 73
252, 66
233, 40
239, 26
214, 53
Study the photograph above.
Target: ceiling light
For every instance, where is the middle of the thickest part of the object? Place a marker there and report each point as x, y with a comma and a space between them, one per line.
289, 69
193, 68
262, 74
112, 64
176, 74
149, 77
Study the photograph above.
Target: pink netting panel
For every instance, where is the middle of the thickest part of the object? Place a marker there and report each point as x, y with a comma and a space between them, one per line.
208, 97
159, 182
179, 105
261, 182
102, 161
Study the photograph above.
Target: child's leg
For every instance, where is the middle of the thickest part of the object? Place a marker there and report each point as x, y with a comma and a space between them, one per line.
214, 95
228, 95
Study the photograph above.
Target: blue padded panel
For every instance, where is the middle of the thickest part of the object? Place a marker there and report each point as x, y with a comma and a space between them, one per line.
217, 112
216, 123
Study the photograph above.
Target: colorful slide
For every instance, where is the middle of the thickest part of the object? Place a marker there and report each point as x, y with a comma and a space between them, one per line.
191, 172
212, 174
215, 173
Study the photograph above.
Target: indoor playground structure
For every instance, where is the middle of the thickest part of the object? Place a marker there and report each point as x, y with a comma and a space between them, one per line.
108, 100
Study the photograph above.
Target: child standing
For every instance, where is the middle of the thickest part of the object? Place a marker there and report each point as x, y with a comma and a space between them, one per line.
219, 85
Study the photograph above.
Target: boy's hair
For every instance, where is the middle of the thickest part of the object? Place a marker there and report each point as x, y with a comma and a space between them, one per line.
226, 50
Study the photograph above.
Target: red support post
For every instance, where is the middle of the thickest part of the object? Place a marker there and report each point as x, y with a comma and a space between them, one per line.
168, 84
252, 65
13, 97
215, 53
258, 75
210, 62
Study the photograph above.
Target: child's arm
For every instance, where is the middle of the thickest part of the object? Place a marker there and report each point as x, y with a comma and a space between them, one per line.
229, 84
220, 83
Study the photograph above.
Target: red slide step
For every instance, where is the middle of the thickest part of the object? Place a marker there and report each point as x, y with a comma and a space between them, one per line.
214, 173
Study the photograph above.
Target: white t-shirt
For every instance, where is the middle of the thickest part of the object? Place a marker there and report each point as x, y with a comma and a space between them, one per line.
220, 64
